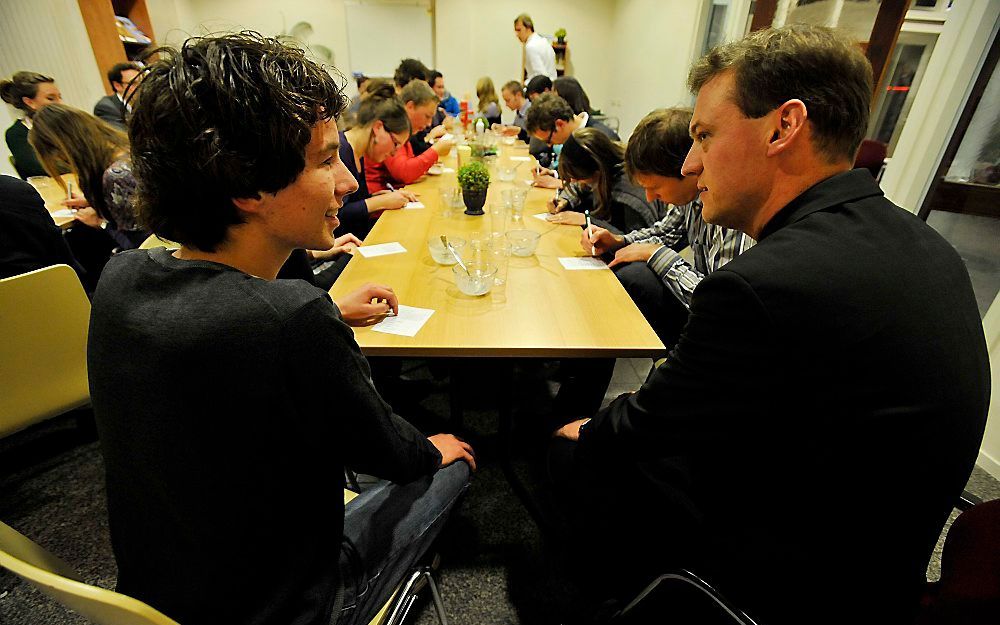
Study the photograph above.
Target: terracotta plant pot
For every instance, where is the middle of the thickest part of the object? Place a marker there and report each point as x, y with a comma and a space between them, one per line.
474, 201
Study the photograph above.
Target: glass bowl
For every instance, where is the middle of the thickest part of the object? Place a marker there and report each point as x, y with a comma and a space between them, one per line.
479, 279
440, 253
523, 242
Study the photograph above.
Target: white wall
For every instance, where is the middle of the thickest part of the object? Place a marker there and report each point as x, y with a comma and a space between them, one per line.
63, 52
651, 48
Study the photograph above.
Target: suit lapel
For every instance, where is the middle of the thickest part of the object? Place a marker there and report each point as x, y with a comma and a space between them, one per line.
849, 186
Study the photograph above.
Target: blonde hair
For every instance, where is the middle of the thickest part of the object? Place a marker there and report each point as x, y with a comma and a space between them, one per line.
486, 93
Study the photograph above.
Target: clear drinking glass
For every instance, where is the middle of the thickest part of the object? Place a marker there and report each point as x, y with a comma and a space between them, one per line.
499, 255
499, 218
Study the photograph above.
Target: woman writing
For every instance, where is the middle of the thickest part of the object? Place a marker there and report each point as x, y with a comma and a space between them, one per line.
489, 102
99, 156
406, 165
593, 163
28, 92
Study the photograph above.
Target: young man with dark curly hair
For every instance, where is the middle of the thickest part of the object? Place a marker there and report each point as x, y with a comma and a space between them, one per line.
228, 403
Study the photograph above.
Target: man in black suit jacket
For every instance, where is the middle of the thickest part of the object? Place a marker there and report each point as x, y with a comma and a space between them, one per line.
840, 356
113, 108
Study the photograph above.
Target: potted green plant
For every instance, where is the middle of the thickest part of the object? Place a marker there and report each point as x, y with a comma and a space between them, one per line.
561, 35
474, 179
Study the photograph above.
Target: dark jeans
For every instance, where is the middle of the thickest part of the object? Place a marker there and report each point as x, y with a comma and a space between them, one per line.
387, 528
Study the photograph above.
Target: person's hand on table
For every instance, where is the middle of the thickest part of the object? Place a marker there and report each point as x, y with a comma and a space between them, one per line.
448, 123
568, 218
443, 147
571, 430
546, 180
510, 131
601, 241
556, 205
634, 252
389, 200
452, 449
77, 202
367, 305
436, 132
88, 217
345, 244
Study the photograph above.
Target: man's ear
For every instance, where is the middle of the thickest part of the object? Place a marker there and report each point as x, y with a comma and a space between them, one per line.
789, 126
250, 205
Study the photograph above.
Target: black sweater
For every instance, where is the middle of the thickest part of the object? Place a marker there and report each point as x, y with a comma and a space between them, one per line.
227, 407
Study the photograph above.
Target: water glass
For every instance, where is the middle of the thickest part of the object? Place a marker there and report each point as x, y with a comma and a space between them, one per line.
499, 255
451, 199
499, 218
514, 199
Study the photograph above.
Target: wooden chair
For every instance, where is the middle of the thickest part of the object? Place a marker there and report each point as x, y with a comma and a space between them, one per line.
44, 320
58, 580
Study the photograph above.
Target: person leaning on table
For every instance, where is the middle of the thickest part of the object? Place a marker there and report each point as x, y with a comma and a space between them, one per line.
842, 351
647, 260
228, 402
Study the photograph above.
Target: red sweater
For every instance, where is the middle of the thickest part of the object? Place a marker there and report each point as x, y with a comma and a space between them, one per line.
399, 169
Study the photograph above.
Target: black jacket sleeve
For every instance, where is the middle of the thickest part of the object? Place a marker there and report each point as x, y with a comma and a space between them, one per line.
708, 391
335, 397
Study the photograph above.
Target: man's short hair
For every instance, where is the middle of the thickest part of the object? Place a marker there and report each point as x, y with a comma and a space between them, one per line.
660, 143
408, 71
525, 20
115, 73
825, 70
418, 92
538, 84
432, 77
222, 118
513, 86
546, 109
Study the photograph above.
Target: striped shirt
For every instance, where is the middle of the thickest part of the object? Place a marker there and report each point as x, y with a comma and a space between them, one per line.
713, 246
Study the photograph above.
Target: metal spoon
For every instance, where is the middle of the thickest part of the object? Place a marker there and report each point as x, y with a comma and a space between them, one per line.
451, 248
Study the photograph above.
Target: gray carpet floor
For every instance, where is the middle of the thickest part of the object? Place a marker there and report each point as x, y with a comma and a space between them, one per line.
495, 567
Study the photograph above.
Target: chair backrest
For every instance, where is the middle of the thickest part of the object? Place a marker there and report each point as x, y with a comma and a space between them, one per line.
57, 579
44, 318
871, 156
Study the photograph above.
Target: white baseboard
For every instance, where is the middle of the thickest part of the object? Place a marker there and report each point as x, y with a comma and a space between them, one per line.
989, 464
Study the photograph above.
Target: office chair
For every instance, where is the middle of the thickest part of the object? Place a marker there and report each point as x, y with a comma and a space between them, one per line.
871, 156
43, 356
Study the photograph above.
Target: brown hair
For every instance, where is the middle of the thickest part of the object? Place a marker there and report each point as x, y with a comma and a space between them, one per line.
513, 86
814, 64
660, 143
587, 152
486, 93
382, 104
62, 134
22, 85
525, 20
547, 108
418, 92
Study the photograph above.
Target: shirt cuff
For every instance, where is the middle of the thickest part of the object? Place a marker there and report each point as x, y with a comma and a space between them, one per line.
662, 259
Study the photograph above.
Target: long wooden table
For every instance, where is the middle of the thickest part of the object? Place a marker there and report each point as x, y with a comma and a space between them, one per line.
53, 196
542, 311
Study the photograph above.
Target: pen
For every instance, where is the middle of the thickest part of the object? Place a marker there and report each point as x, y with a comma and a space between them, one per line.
391, 188
69, 190
590, 232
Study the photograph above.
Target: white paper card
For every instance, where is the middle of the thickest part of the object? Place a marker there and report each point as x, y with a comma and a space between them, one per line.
576, 263
412, 205
542, 216
407, 322
383, 249
62, 212
446, 137
526, 159
447, 170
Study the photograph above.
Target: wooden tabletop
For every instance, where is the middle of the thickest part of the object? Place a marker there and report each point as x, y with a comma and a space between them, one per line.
53, 195
542, 311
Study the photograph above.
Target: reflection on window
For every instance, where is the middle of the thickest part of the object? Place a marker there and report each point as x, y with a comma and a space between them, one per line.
978, 157
716, 24
855, 18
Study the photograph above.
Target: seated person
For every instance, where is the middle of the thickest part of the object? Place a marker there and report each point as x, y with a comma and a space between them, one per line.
408, 71
537, 86
114, 108
446, 101
513, 97
99, 156
808, 372
569, 88
27, 92
646, 260
489, 104
29, 239
226, 435
551, 121
408, 163
349, 116
383, 126
595, 165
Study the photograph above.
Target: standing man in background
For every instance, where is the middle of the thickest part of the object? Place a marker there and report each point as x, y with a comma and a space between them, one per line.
539, 58
113, 108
